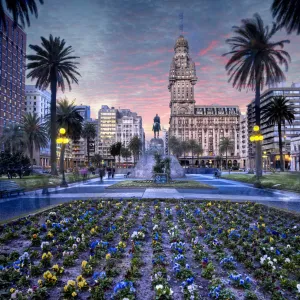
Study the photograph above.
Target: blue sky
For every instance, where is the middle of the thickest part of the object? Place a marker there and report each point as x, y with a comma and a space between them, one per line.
126, 47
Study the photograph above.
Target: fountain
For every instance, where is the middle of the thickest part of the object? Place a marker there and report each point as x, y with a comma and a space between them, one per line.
144, 167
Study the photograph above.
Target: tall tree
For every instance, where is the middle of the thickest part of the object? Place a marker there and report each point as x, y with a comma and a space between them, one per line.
198, 150
218, 160
89, 133
113, 151
279, 111
226, 145
135, 146
192, 146
19, 9
118, 150
173, 143
35, 133
52, 64
69, 118
185, 148
125, 153
97, 160
286, 13
13, 138
254, 63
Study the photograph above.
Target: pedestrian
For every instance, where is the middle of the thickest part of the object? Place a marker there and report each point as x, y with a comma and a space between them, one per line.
113, 172
101, 174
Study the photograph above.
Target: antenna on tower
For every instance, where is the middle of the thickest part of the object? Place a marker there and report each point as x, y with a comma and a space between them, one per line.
181, 22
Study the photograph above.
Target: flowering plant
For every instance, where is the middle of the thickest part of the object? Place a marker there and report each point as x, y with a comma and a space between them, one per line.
86, 268
46, 259
124, 289
163, 291
58, 270
237, 280
81, 283
70, 290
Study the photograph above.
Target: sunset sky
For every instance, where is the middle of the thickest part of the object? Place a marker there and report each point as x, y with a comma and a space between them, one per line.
126, 47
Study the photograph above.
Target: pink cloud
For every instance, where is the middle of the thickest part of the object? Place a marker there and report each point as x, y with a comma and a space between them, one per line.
140, 67
211, 46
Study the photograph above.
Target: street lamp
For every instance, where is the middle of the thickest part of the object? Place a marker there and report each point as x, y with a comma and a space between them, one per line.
63, 140
257, 137
265, 160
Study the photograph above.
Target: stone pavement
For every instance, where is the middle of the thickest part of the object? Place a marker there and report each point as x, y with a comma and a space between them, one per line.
224, 190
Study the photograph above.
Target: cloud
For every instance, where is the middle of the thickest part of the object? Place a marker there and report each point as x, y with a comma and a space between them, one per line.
212, 45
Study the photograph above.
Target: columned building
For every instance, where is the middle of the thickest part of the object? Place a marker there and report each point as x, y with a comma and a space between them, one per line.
270, 143
295, 154
207, 125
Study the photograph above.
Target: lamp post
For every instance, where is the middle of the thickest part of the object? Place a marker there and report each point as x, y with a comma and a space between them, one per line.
265, 161
63, 140
256, 137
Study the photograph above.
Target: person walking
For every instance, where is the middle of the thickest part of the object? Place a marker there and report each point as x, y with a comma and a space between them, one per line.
101, 174
113, 172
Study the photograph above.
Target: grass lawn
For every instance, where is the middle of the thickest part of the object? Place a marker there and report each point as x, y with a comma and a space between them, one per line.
34, 182
281, 181
182, 184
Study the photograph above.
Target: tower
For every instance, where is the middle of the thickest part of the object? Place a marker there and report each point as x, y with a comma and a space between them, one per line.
182, 79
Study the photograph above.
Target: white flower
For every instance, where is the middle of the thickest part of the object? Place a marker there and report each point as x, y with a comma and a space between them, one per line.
78, 240
30, 291
125, 299
287, 260
159, 287
288, 246
275, 260
74, 246
43, 244
274, 268
171, 292
298, 287
155, 227
272, 248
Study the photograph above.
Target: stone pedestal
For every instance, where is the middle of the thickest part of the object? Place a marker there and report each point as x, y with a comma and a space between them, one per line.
156, 146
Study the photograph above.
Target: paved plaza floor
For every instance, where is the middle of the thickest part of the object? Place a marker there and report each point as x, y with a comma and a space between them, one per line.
224, 190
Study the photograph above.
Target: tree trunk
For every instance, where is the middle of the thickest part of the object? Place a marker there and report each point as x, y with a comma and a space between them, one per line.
226, 164
62, 158
53, 87
88, 150
258, 152
119, 159
31, 153
280, 148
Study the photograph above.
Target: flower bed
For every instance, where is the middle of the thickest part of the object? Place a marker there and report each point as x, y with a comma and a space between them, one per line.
138, 249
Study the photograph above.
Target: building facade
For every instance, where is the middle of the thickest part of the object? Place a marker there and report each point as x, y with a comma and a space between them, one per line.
12, 73
295, 154
128, 125
244, 142
270, 144
37, 101
79, 147
205, 124
107, 121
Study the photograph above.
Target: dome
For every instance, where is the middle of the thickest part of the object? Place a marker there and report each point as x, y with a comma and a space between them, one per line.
181, 42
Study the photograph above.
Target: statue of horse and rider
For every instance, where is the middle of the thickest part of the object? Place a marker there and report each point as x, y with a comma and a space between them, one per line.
156, 126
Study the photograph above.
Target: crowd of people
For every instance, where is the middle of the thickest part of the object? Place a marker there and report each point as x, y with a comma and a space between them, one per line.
110, 172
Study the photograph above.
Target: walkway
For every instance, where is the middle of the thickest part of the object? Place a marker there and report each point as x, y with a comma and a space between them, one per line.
224, 190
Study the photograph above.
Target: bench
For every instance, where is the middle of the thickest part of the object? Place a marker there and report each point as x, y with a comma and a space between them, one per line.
8, 187
127, 175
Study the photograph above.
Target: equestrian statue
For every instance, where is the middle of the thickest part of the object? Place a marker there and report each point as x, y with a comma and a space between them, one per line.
156, 126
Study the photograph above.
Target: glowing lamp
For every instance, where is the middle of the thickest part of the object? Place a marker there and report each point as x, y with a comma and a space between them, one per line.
62, 130
59, 140
251, 138
256, 128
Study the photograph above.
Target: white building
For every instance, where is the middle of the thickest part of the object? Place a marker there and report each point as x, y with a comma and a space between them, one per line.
243, 142
37, 101
295, 154
129, 124
165, 137
79, 147
107, 121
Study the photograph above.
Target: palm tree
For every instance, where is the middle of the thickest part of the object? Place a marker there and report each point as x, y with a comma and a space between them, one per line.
89, 133
68, 117
185, 147
279, 111
254, 63
225, 145
287, 14
13, 138
192, 146
52, 65
19, 9
35, 133
198, 151
125, 153
218, 160
135, 146
173, 143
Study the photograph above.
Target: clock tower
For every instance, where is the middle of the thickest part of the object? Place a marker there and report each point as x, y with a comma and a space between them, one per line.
182, 79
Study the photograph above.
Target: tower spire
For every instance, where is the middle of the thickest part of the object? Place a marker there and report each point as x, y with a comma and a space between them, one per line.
181, 22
